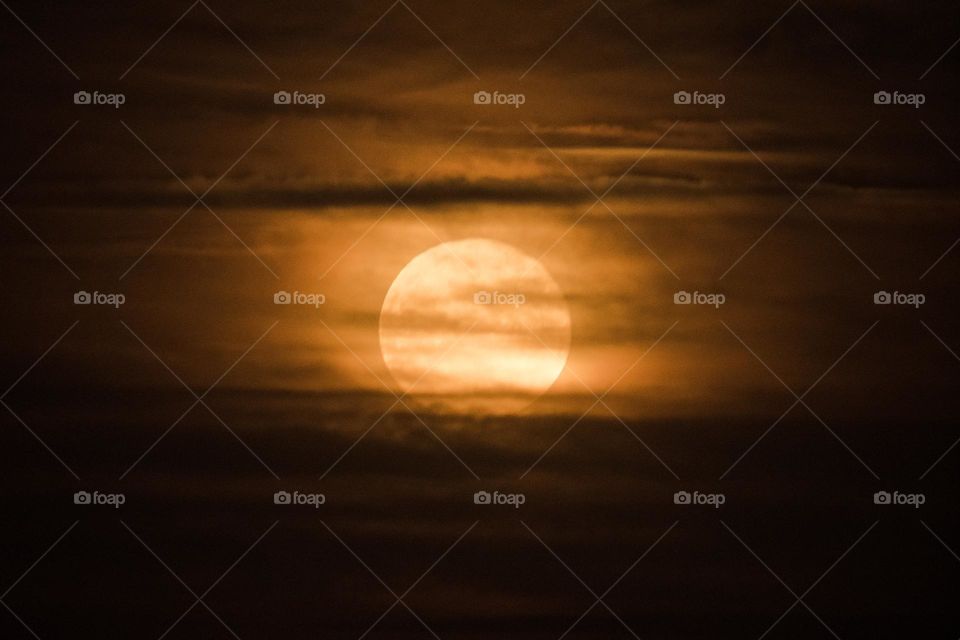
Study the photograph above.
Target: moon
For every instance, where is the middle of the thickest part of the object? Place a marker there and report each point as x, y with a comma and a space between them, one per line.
475, 317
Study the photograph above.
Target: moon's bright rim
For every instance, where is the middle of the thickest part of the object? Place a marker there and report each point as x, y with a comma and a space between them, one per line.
474, 316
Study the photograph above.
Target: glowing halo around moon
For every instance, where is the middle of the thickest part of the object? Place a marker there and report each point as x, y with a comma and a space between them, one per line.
475, 319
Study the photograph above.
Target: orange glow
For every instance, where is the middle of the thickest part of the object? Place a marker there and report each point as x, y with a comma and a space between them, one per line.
474, 316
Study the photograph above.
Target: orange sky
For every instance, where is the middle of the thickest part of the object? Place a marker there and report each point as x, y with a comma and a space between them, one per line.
311, 194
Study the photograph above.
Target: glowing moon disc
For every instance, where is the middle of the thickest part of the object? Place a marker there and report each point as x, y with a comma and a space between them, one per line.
474, 317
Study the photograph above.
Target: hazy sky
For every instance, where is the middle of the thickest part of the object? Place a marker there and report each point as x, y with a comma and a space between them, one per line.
625, 197
200, 198
399, 113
